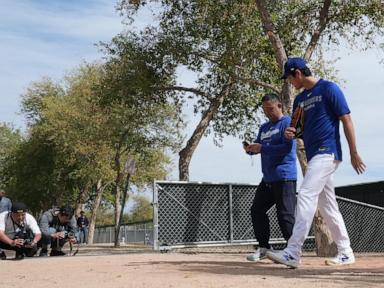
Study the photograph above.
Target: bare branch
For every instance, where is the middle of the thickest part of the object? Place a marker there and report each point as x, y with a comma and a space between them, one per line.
259, 83
184, 89
323, 21
187, 152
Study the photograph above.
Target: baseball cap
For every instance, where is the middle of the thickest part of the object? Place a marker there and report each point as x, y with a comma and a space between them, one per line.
18, 207
292, 64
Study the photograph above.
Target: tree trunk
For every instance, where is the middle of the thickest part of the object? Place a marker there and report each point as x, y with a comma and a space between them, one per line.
96, 204
187, 152
325, 246
118, 180
81, 200
270, 31
300, 151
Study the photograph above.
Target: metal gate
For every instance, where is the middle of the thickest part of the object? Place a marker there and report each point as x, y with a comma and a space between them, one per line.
188, 214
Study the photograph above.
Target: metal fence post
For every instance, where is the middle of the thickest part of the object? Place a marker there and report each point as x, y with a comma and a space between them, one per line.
145, 234
155, 218
230, 190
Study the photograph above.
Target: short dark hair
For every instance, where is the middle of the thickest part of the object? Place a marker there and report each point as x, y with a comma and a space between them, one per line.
306, 72
66, 211
271, 97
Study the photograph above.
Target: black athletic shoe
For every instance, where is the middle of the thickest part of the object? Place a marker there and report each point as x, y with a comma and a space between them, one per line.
19, 256
43, 253
57, 253
3, 256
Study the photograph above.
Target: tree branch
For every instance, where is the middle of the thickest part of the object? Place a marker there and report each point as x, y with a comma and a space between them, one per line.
323, 21
281, 55
184, 89
259, 83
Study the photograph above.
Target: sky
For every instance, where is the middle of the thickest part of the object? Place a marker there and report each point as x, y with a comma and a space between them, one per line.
49, 38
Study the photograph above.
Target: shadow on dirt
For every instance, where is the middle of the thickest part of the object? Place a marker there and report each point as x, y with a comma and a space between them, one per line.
349, 275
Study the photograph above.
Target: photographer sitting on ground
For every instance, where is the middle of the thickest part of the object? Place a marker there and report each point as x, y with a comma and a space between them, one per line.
58, 227
19, 232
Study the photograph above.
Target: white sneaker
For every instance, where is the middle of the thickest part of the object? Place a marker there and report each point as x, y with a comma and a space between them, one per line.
260, 254
341, 259
283, 257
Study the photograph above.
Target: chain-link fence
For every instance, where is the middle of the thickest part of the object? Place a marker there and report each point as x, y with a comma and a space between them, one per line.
188, 214
129, 233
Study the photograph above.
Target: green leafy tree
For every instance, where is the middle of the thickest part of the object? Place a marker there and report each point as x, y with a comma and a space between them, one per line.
237, 50
142, 209
10, 140
143, 121
75, 139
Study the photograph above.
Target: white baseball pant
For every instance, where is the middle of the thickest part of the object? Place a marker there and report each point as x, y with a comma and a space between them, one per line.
317, 190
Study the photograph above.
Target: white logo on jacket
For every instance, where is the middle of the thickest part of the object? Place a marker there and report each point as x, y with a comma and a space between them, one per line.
269, 134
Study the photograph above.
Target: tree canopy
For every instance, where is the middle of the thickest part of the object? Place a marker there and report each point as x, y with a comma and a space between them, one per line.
237, 50
74, 134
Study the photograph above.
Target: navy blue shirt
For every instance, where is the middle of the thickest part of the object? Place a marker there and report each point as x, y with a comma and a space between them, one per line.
278, 154
5, 204
323, 104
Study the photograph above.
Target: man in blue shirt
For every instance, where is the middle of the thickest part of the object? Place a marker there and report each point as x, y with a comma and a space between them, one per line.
5, 203
323, 106
82, 224
278, 186
5, 206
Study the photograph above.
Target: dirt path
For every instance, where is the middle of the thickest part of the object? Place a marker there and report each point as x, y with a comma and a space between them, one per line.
185, 270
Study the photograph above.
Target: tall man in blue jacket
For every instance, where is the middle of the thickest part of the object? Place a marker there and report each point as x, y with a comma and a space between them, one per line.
278, 186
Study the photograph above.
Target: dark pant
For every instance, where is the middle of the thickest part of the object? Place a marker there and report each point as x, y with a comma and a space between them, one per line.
283, 194
55, 243
83, 234
29, 252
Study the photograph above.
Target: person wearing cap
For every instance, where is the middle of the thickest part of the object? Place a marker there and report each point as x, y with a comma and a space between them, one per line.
278, 185
58, 226
82, 224
19, 231
323, 107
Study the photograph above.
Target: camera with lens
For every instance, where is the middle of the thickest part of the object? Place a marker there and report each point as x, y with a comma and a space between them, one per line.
25, 235
68, 235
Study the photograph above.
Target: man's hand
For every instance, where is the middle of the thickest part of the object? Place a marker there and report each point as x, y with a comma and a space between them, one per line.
31, 245
357, 163
18, 242
254, 148
59, 235
72, 240
290, 133
349, 132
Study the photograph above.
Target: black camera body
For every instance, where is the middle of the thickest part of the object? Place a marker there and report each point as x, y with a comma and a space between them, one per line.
68, 235
25, 235
28, 241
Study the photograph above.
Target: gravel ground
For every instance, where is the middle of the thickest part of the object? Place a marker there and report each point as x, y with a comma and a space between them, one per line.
136, 267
